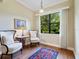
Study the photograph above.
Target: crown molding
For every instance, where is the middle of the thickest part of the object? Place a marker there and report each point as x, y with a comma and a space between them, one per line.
25, 5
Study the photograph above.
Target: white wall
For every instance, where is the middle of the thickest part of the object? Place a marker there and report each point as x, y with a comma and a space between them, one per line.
7, 21
77, 28
50, 39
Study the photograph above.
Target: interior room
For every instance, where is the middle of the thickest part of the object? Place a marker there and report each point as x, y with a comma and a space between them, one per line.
39, 29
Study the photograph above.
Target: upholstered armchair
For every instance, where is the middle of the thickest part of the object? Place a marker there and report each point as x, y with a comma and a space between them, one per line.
33, 37
9, 46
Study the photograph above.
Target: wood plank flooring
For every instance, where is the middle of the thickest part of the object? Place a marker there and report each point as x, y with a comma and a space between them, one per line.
28, 51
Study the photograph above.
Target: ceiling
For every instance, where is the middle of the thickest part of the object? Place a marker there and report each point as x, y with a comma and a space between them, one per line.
36, 4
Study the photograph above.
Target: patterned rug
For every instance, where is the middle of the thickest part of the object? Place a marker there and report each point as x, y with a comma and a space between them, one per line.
44, 53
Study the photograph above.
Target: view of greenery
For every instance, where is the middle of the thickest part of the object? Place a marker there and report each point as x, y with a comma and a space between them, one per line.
50, 23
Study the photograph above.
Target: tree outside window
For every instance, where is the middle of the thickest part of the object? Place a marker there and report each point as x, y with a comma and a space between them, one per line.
50, 23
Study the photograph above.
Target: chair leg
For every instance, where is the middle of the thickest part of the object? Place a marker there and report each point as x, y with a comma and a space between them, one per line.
11, 56
30, 44
38, 43
1, 56
21, 51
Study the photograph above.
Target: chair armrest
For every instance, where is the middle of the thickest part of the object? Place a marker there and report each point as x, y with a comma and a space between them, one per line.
6, 47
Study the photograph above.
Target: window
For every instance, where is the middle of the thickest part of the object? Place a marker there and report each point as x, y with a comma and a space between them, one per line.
50, 23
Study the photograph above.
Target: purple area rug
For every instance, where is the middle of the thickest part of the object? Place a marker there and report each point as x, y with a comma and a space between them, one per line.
44, 53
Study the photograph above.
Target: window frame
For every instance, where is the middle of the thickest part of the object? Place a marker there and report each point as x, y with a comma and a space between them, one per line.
49, 23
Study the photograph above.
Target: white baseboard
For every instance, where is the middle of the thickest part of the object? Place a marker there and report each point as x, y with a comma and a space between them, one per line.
69, 48
50, 44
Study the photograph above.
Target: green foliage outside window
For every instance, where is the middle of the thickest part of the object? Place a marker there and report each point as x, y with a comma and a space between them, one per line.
50, 23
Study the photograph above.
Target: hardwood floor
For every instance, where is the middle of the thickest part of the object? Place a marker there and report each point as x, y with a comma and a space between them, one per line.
28, 51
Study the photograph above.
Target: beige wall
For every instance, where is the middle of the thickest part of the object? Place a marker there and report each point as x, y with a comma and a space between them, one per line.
70, 38
11, 8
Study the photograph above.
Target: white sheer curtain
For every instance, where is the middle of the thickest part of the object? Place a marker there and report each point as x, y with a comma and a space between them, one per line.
64, 28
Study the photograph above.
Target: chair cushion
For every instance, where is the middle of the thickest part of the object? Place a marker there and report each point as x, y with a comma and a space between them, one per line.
33, 33
14, 47
7, 37
34, 39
